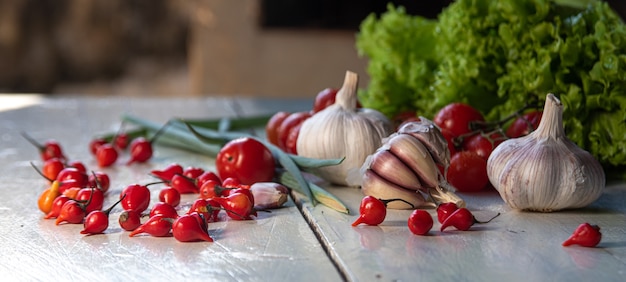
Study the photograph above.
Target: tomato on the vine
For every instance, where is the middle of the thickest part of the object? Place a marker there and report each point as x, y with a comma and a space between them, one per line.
288, 124
292, 140
457, 117
483, 144
524, 124
271, 128
324, 99
467, 172
245, 159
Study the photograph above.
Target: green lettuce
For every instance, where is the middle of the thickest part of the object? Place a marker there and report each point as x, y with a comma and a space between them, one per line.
500, 56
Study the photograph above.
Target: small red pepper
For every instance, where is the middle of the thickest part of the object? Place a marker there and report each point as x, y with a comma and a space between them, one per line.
585, 235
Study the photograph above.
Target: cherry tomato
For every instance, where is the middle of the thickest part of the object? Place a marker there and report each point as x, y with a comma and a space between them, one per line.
324, 98
290, 122
420, 222
245, 159
524, 124
457, 117
271, 128
292, 140
483, 145
468, 172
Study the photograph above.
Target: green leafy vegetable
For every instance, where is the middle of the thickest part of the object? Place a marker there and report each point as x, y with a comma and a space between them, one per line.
499, 56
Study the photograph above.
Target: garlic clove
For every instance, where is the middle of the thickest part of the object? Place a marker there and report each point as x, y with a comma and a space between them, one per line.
415, 155
269, 195
376, 186
389, 167
431, 137
545, 171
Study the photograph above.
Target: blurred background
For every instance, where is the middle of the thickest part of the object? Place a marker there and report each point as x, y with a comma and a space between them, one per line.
273, 48
269, 48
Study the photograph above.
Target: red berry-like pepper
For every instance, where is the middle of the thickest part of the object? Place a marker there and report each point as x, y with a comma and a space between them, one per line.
585, 235
373, 211
420, 222
462, 219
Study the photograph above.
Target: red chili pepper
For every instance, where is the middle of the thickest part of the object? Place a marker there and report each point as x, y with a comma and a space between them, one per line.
191, 228
585, 235
168, 172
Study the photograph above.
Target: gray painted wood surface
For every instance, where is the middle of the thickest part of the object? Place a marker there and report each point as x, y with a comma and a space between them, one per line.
297, 243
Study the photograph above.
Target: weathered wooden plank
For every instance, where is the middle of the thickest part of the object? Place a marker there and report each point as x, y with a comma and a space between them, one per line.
276, 246
515, 246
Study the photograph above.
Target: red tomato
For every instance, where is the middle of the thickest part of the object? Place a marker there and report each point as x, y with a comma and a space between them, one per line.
292, 140
245, 159
456, 117
290, 122
324, 99
468, 172
271, 128
524, 124
482, 145
450, 139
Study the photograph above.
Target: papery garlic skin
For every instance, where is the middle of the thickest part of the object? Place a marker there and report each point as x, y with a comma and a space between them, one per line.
343, 131
405, 168
544, 171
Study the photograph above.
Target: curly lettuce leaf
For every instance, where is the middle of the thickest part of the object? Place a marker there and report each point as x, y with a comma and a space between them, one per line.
403, 57
499, 56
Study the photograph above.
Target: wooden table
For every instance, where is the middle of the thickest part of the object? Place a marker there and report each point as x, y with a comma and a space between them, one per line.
296, 243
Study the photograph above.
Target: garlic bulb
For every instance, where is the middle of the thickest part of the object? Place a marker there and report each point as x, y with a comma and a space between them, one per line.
406, 167
544, 171
341, 130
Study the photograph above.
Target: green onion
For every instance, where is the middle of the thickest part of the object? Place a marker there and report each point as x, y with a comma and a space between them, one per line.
193, 136
323, 196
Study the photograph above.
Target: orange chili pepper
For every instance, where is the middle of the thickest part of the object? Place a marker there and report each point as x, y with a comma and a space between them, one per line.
47, 197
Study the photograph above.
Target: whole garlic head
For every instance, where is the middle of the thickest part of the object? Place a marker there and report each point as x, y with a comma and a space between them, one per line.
545, 171
341, 130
